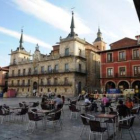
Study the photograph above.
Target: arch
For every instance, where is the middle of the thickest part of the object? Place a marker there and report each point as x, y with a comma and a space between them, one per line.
136, 83
123, 85
110, 85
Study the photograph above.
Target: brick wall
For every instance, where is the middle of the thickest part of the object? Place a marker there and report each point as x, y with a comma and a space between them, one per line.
126, 42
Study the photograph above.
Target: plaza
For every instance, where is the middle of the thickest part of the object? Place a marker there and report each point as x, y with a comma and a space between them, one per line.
71, 128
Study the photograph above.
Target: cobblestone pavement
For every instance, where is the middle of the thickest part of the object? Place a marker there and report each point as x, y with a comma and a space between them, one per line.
71, 129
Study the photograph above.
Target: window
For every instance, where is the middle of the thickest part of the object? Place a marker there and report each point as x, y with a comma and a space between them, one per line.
12, 82
135, 53
136, 70
42, 69
41, 82
23, 82
55, 81
80, 52
24, 71
18, 82
56, 68
110, 72
49, 68
41, 89
14, 61
18, 72
55, 90
79, 67
13, 72
122, 71
66, 51
28, 81
49, 81
65, 89
109, 57
66, 80
66, 67
35, 70
122, 55
29, 71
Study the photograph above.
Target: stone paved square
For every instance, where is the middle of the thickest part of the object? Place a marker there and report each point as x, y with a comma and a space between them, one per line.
71, 128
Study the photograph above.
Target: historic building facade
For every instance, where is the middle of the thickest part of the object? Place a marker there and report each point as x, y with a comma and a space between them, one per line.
72, 65
4, 79
120, 66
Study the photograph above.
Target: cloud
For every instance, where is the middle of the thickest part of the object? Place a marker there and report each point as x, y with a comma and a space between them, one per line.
110, 34
26, 38
51, 14
4, 60
130, 2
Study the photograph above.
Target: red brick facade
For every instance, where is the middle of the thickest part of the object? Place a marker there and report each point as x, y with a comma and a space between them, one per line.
120, 67
125, 42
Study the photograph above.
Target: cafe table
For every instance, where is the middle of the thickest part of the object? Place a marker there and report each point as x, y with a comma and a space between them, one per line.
109, 116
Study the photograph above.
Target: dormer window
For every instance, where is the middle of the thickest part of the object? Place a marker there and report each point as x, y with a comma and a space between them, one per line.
67, 52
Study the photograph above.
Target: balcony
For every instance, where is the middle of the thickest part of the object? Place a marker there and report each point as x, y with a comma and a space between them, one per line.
56, 84
136, 58
18, 85
53, 71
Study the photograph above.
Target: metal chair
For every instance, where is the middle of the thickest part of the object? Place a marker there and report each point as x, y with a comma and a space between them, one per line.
128, 125
22, 113
136, 111
95, 128
34, 118
4, 113
73, 109
85, 122
55, 117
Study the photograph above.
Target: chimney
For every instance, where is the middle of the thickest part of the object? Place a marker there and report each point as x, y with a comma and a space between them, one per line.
138, 39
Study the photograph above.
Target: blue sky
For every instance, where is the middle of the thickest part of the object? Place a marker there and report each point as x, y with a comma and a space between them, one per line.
44, 21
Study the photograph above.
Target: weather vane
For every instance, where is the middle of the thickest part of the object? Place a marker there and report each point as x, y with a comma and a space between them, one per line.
72, 9
22, 28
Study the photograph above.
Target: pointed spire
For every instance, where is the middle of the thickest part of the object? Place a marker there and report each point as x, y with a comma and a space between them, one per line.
72, 26
21, 40
99, 36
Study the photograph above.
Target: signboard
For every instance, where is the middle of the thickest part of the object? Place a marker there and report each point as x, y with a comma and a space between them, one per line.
128, 91
113, 91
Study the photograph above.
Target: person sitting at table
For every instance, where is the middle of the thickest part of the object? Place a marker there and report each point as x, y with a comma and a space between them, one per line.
58, 101
87, 103
44, 102
90, 105
129, 103
122, 109
63, 99
104, 103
